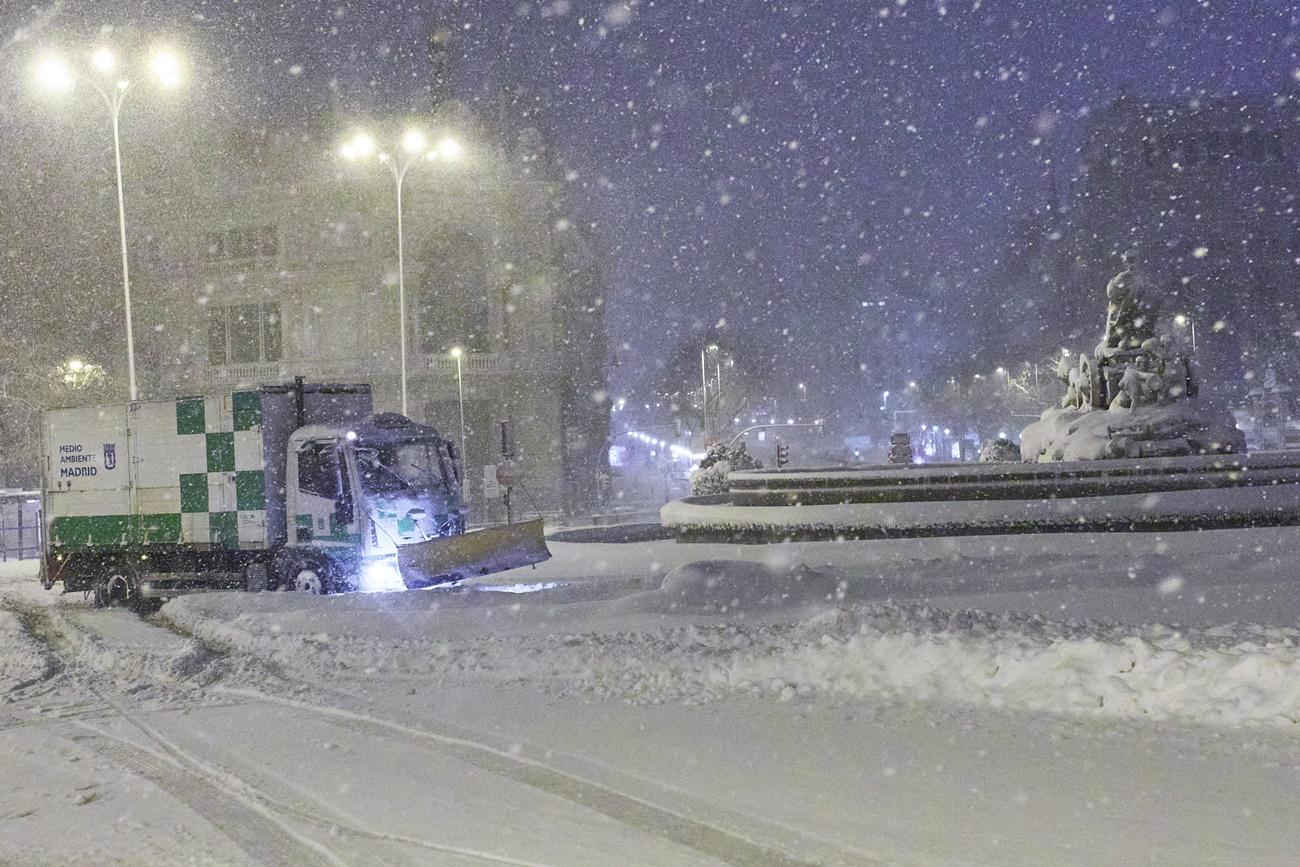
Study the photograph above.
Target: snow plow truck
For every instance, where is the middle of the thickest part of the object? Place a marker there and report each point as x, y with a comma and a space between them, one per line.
286, 487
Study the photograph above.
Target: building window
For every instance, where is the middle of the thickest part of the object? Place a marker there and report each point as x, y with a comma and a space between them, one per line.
241, 242
243, 333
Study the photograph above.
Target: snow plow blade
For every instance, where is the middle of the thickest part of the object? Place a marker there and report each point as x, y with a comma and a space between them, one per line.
478, 552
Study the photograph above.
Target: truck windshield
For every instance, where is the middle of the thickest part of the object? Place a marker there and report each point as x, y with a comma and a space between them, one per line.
397, 467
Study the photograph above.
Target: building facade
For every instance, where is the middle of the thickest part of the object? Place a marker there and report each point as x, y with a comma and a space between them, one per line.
283, 263
1204, 192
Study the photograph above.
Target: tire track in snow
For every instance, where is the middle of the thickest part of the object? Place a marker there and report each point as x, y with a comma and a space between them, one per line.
348, 826
715, 842
635, 812
264, 839
32, 638
66, 638
248, 824
706, 839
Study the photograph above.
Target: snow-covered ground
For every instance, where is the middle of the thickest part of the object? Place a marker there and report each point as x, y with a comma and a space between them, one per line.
1063, 699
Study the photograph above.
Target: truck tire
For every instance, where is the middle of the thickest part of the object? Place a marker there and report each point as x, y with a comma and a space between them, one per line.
305, 575
119, 589
309, 581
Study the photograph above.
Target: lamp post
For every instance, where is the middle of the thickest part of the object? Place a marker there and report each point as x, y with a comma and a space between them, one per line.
1182, 320
456, 353
415, 147
704, 385
57, 76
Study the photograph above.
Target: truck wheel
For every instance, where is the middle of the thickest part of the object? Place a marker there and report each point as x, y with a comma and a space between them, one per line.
114, 591
308, 580
306, 575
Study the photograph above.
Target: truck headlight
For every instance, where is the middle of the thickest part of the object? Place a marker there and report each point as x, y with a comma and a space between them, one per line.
381, 576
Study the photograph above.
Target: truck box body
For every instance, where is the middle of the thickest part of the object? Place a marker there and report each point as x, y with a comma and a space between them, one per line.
195, 473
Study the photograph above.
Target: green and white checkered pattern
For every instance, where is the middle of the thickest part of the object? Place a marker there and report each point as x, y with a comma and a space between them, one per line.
223, 502
185, 471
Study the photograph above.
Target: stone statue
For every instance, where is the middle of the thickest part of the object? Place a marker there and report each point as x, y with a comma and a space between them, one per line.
1132, 308
1130, 396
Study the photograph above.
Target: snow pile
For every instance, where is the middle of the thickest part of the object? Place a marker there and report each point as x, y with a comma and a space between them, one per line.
718, 586
1228, 676
719, 629
710, 477
21, 659
1072, 434
1013, 661
998, 450
709, 480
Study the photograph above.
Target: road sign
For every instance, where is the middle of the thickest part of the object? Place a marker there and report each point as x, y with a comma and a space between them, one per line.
509, 473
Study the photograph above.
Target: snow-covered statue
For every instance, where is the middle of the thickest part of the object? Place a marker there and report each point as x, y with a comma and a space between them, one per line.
1134, 395
1132, 307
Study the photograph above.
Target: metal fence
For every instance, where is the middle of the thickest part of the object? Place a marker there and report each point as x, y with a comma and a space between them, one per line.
20, 525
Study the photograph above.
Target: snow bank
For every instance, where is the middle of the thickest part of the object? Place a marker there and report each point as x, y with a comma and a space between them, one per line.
21, 659
716, 630
1013, 661
1227, 675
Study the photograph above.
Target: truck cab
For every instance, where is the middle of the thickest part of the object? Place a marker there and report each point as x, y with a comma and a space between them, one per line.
355, 494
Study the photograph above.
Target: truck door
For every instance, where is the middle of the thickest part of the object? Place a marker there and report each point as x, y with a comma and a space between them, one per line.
326, 513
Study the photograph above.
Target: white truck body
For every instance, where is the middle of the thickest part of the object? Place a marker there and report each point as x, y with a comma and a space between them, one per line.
290, 486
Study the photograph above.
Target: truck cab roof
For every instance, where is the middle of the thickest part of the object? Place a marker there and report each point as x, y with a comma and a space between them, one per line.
378, 429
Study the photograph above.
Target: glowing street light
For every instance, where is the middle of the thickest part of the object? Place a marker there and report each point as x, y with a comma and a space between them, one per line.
55, 75
1182, 320
457, 353
414, 142
104, 60
448, 149
166, 67
415, 146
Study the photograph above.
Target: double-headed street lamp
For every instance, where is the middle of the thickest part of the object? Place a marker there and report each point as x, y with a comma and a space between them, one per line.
414, 147
106, 78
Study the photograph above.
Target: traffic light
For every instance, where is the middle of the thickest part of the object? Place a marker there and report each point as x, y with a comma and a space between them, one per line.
782, 454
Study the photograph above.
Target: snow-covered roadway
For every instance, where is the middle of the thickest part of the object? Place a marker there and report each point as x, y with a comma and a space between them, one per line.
671, 704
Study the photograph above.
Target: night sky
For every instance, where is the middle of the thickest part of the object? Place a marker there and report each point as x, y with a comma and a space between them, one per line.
769, 165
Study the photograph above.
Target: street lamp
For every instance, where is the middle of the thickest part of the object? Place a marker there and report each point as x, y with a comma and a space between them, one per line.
57, 76
413, 147
1182, 320
456, 353
704, 385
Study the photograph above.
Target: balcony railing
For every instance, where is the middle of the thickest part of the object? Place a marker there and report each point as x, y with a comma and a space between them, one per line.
471, 362
260, 372
244, 374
